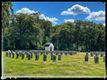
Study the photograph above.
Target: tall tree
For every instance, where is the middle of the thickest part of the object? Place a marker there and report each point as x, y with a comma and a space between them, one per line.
5, 19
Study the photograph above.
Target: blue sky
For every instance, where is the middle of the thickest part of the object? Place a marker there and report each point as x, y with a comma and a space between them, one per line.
52, 10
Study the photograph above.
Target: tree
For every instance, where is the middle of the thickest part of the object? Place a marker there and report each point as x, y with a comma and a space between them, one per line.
29, 32
6, 12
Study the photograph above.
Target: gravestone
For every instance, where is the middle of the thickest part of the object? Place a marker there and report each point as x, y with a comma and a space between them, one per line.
59, 56
57, 53
54, 53
45, 57
70, 53
61, 53
28, 55
91, 53
7, 53
20, 52
22, 56
97, 53
104, 59
17, 54
36, 56
54, 57
66, 54
46, 53
96, 59
31, 54
101, 55
12, 52
51, 56
86, 57
75, 52
41, 53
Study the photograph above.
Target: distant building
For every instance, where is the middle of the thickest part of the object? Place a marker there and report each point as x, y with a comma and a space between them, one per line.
49, 46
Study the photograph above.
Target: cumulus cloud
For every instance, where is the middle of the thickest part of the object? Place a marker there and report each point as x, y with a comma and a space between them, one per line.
67, 13
69, 20
98, 16
76, 9
25, 11
42, 16
53, 19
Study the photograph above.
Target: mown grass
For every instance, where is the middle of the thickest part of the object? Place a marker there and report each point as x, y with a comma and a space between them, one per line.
73, 65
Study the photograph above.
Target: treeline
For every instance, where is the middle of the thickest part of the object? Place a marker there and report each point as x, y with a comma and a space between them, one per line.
80, 36
26, 32
30, 32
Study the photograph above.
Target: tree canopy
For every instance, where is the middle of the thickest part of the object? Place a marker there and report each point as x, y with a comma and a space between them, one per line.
29, 32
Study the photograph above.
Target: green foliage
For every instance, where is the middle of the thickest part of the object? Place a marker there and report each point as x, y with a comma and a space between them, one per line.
6, 11
30, 32
80, 35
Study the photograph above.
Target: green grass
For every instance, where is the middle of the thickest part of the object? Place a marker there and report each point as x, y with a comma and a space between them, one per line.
73, 65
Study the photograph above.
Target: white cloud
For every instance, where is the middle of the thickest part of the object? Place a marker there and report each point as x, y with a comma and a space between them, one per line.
25, 11
42, 16
76, 9
69, 20
67, 13
98, 16
53, 19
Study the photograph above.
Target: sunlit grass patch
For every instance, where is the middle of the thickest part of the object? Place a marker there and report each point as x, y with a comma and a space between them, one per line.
70, 65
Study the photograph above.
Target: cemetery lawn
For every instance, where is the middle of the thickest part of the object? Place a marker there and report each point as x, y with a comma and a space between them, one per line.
71, 66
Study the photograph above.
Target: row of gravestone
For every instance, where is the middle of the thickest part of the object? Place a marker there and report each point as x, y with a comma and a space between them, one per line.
96, 57
29, 55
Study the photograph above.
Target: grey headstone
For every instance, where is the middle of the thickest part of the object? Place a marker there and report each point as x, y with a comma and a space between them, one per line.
41, 53
12, 52
96, 59
86, 53
57, 53
86, 57
31, 54
59, 56
54, 57
36, 56
51, 56
91, 53
17, 54
28, 55
61, 53
101, 55
104, 59
74, 52
7, 53
46, 53
20, 52
66, 54
45, 57
70, 53
22, 56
